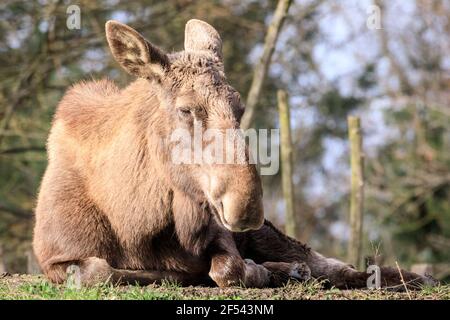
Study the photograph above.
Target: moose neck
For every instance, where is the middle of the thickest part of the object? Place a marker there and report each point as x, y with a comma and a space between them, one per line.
136, 159
131, 159
189, 217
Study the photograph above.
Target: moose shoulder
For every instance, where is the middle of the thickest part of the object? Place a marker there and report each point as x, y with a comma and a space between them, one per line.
114, 203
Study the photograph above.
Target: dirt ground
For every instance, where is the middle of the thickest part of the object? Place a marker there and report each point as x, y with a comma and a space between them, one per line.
37, 287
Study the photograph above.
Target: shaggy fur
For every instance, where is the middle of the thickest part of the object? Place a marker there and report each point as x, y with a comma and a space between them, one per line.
113, 203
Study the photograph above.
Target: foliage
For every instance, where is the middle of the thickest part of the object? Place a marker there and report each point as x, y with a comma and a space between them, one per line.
330, 63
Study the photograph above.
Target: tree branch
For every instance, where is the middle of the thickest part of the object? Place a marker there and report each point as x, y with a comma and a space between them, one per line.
23, 150
263, 64
17, 212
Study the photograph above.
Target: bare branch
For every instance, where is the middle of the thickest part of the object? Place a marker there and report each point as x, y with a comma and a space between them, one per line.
262, 66
22, 150
17, 212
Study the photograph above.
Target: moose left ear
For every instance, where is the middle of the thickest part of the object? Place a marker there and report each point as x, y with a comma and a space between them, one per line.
200, 36
135, 54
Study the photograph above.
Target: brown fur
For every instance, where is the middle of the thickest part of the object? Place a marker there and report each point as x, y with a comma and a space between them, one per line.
112, 202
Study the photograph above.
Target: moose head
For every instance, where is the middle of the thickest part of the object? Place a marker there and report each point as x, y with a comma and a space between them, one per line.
193, 94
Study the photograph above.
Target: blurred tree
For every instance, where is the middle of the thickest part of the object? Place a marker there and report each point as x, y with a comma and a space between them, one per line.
40, 57
327, 60
410, 173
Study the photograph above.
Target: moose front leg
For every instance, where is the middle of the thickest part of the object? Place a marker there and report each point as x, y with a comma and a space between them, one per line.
228, 268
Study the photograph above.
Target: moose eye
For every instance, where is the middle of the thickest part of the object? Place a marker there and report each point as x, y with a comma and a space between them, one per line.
184, 113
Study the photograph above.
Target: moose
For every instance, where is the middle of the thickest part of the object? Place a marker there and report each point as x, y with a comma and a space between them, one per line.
114, 204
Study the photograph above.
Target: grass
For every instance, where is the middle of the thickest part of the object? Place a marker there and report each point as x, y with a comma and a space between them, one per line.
19, 287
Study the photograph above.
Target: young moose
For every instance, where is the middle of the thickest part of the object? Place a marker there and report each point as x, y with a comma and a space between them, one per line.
113, 202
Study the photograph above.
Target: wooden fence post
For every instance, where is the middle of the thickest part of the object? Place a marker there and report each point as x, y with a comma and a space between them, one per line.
357, 192
2, 261
291, 227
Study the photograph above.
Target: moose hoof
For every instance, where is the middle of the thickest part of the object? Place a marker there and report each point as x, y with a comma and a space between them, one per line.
282, 272
300, 271
256, 275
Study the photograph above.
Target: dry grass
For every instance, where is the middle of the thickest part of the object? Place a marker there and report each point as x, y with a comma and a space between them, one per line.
37, 287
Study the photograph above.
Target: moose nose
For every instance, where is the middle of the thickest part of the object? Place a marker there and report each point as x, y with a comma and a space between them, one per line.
239, 215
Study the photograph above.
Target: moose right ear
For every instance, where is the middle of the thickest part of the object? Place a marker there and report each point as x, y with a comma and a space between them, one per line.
135, 54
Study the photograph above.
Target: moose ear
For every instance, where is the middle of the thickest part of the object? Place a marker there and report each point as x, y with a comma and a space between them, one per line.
200, 36
135, 54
